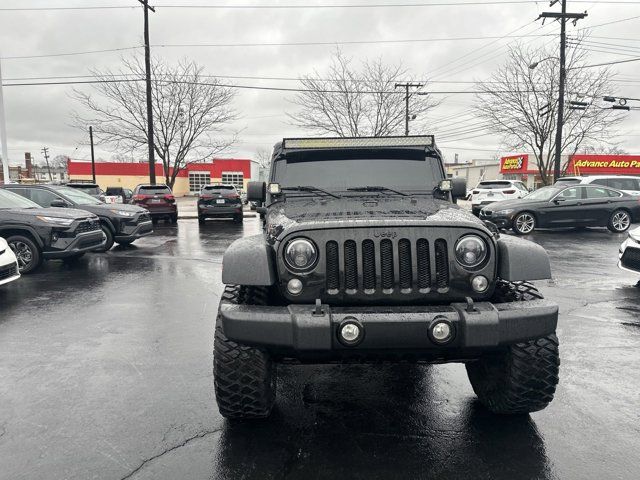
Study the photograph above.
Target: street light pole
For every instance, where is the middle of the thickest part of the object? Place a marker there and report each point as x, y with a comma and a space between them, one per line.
147, 66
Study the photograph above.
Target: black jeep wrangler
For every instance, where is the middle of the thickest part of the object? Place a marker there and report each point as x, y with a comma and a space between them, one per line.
366, 257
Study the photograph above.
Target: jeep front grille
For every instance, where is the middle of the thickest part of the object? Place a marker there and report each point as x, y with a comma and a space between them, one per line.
386, 265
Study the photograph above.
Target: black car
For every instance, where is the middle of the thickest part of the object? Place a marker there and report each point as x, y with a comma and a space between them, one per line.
92, 189
562, 206
36, 234
123, 224
365, 257
219, 201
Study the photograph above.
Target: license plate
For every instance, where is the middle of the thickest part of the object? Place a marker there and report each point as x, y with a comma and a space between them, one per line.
490, 194
220, 200
155, 200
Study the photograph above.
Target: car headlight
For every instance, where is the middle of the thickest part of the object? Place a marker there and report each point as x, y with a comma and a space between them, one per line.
471, 251
63, 222
504, 212
124, 213
300, 254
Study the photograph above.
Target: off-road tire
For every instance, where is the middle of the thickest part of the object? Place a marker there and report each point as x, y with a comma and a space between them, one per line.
20, 242
619, 222
110, 240
244, 376
523, 378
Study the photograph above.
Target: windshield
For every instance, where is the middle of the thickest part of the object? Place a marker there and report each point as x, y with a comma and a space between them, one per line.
412, 172
494, 185
568, 181
13, 200
77, 196
88, 189
227, 188
154, 190
543, 194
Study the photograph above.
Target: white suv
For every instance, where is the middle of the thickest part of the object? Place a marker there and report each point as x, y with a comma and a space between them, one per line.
624, 183
629, 254
490, 191
8, 264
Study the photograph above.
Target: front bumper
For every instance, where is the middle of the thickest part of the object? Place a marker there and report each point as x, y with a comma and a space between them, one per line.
298, 329
8, 268
133, 232
500, 221
629, 256
68, 247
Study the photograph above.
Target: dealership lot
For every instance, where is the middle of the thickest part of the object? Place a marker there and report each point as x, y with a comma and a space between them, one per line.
106, 367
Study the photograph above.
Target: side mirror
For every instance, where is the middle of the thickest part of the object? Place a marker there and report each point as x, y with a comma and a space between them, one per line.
256, 191
558, 200
58, 203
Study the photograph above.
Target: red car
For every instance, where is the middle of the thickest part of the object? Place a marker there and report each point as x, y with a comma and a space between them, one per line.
158, 199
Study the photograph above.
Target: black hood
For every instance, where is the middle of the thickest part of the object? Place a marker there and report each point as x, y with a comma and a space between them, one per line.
515, 204
71, 213
105, 209
312, 211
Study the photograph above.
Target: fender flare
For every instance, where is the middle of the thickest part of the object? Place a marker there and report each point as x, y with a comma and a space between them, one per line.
27, 228
520, 260
249, 261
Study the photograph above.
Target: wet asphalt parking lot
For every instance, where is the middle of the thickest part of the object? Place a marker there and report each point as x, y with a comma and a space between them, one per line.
105, 370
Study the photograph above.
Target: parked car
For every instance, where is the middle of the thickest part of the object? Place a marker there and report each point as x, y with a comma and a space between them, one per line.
490, 191
565, 206
36, 234
219, 201
92, 189
123, 195
158, 199
122, 224
9, 270
624, 183
629, 255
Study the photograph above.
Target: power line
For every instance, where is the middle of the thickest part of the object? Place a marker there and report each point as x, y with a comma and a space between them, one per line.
608, 63
68, 54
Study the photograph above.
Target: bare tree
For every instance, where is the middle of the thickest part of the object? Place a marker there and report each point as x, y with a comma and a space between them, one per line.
521, 104
349, 102
188, 113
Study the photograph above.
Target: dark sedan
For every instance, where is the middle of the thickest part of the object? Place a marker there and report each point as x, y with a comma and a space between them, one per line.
562, 206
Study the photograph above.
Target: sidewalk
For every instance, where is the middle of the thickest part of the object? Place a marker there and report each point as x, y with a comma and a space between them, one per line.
187, 208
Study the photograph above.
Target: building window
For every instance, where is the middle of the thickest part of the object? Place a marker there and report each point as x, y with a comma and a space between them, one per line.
233, 178
197, 180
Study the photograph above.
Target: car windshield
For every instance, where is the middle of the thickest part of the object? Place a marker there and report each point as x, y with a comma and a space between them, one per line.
154, 190
13, 200
407, 171
543, 194
224, 188
494, 185
568, 181
77, 196
88, 189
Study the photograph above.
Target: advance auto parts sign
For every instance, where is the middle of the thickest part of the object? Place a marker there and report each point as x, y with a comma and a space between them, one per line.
514, 164
604, 164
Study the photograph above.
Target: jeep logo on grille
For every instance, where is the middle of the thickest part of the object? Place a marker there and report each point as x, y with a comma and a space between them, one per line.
385, 234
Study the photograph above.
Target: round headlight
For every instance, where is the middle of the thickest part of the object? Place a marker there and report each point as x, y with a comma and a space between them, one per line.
300, 254
471, 251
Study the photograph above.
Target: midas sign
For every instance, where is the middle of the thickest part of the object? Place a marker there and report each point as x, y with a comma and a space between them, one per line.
513, 164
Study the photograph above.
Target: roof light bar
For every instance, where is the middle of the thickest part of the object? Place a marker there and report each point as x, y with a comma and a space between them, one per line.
358, 142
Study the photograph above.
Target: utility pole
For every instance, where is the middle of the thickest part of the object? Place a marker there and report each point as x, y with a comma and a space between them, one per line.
3, 135
562, 18
45, 152
407, 86
93, 158
147, 66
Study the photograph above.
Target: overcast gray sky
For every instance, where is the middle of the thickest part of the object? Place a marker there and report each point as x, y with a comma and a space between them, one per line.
38, 116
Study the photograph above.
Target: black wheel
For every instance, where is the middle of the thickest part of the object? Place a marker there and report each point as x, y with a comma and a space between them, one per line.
620, 221
524, 223
201, 220
26, 251
174, 218
522, 378
109, 243
244, 377
238, 218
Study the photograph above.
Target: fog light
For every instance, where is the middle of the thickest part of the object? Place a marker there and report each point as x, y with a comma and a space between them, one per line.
350, 332
479, 283
294, 286
441, 331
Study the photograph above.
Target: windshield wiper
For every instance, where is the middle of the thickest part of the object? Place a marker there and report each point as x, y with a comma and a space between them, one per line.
311, 189
376, 189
